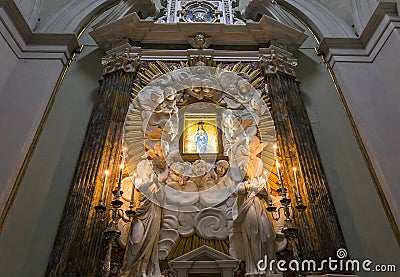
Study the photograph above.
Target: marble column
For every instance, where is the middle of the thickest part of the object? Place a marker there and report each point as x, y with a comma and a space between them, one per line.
319, 232
78, 246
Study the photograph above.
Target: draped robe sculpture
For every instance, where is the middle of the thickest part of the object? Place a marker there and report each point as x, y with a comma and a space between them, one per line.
141, 255
249, 212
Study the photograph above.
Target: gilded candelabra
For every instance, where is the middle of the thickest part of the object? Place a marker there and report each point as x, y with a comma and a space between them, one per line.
289, 228
112, 233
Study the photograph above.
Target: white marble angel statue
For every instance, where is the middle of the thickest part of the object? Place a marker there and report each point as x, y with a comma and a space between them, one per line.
141, 254
257, 231
255, 166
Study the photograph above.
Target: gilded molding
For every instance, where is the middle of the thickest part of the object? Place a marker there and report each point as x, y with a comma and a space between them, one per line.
275, 60
124, 57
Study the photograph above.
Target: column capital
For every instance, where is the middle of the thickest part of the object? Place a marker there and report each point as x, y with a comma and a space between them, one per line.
275, 59
124, 56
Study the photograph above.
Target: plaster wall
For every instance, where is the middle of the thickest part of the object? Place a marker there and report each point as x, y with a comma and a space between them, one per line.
28, 235
30, 66
372, 90
22, 103
30, 10
364, 224
362, 218
9, 60
49, 6
342, 8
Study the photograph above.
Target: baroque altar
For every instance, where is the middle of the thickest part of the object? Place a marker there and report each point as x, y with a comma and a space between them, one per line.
202, 131
219, 191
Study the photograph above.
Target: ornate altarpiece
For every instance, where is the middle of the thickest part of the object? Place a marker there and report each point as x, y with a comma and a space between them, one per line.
242, 94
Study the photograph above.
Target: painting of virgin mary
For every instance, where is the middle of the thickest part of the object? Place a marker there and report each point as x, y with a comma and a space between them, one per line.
201, 139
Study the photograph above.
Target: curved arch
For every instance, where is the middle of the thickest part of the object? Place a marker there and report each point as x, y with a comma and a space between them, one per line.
269, 8
319, 17
75, 14
361, 11
30, 9
72, 16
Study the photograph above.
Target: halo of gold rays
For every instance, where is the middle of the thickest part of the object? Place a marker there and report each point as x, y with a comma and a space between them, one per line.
134, 135
146, 74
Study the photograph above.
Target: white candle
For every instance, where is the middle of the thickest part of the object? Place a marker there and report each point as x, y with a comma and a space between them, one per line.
120, 180
104, 187
281, 180
268, 188
279, 172
297, 182
133, 187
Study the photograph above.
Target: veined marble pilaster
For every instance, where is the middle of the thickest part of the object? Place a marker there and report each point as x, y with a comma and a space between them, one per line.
77, 247
319, 231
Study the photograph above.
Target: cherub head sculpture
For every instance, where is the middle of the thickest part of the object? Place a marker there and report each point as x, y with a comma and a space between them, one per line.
221, 168
199, 168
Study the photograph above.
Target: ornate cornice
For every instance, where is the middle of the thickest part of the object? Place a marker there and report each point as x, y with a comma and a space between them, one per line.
383, 23
148, 32
124, 57
27, 44
270, 8
274, 60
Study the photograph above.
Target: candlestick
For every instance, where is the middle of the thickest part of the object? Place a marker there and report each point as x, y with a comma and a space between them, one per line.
119, 181
101, 201
131, 213
281, 180
300, 206
268, 189
100, 208
296, 181
133, 188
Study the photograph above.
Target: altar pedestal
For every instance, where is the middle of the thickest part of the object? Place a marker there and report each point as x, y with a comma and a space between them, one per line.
204, 260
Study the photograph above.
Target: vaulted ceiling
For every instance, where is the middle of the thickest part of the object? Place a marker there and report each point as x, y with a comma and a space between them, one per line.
69, 16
